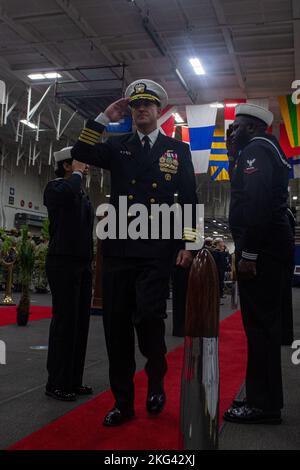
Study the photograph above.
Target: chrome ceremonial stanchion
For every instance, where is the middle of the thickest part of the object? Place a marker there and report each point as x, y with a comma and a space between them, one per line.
8, 261
199, 420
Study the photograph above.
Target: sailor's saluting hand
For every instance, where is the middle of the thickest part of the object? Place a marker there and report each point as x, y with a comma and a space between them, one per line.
117, 110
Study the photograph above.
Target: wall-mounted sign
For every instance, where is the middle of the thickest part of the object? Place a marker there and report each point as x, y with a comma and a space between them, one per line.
30, 205
12, 191
22, 203
11, 200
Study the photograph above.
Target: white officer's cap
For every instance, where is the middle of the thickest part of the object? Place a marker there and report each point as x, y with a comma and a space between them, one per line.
249, 109
63, 154
145, 89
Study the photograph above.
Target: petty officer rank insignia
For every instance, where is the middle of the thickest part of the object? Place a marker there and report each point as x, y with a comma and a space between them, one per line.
250, 168
168, 163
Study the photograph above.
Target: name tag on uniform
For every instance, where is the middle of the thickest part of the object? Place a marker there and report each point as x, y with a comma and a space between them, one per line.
125, 152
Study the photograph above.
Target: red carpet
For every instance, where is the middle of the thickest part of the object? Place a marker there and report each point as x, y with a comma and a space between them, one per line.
8, 314
81, 428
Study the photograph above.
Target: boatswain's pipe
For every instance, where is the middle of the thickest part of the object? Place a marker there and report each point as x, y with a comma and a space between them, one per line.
200, 376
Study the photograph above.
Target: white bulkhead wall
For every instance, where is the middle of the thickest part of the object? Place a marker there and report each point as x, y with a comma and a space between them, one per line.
16, 186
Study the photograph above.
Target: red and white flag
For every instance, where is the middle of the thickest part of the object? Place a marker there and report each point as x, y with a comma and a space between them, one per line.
167, 120
182, 133
229, 112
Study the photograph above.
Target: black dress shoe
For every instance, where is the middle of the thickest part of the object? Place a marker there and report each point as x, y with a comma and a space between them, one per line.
251, 415
83, 390
239, 402
59, 394
155, 402
115, 417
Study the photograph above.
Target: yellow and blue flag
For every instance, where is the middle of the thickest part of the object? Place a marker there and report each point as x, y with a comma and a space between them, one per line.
218, 161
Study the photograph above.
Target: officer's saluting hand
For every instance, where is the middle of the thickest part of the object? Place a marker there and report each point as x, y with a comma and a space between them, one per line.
117, 110
79, 166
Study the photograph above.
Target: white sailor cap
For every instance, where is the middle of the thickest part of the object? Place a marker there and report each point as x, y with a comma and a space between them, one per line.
63, 154
249, 109
145, 89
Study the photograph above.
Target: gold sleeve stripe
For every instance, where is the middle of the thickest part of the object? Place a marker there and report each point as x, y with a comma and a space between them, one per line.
97, 134
187, 238
193, 235
188, 232
88, 131
86, 141
92, 141
88, 136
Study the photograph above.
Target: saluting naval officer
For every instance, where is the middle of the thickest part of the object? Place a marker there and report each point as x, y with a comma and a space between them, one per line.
147, 167
68, 269
264, 247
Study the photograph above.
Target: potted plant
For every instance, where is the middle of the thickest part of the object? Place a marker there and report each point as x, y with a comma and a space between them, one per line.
45, 229
26, 260
8, 257
40, 277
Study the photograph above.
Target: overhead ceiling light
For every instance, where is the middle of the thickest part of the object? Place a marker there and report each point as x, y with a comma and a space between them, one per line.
231, 105
29, 124
52, 75
216, 105
44, 76
215, 233
36, 76
197, 66
178, 118
220, 225
214, 221
107, 195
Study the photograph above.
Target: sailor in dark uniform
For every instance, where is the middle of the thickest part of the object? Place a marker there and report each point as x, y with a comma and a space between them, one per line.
68, 268
287, 313
263, 242
147, 168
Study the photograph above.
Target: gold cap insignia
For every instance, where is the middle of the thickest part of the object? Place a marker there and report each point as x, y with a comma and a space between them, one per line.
140, 88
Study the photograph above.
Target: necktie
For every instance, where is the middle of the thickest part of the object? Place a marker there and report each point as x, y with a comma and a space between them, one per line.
147, 147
